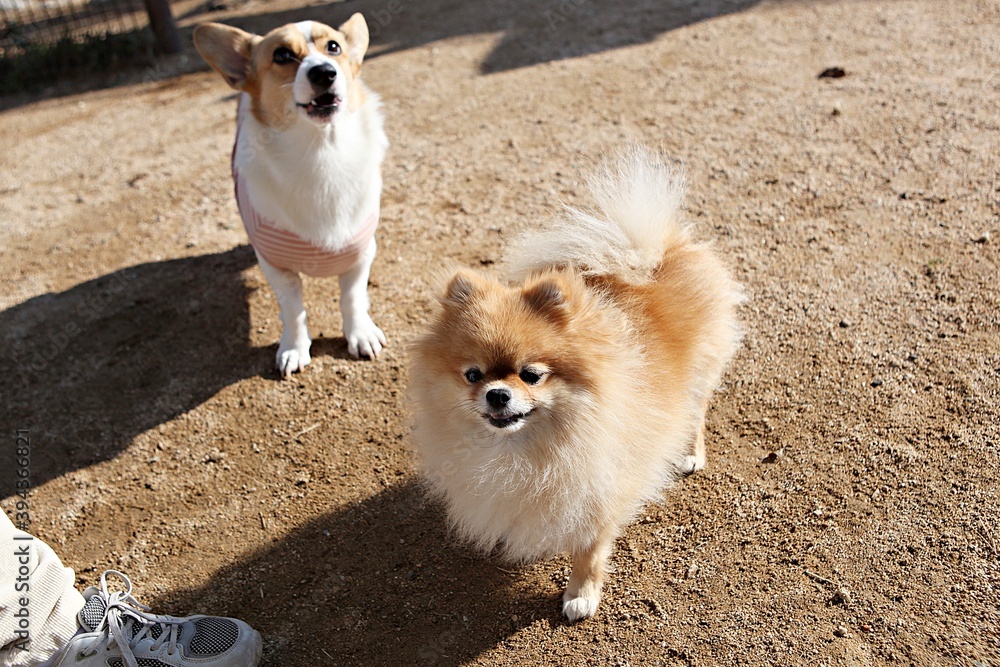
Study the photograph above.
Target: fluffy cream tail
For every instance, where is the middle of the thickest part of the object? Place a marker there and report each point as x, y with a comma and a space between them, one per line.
638, 198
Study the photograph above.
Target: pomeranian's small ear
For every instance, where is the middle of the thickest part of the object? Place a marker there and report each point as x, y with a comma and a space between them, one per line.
227, 50
548, 298
461, 288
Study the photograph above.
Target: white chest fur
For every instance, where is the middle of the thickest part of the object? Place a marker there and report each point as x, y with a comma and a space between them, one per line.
321, 183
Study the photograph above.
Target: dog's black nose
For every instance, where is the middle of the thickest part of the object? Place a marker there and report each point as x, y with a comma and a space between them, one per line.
497, 398
322, 76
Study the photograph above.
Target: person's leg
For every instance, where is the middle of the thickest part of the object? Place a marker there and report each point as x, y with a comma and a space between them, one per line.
38, 602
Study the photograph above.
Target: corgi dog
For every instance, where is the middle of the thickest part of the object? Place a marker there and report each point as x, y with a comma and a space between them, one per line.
306, 165
550, 407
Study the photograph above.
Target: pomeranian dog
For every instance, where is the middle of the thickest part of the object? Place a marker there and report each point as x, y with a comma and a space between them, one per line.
550, 410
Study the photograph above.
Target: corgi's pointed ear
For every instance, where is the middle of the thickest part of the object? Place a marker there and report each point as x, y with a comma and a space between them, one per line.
461, 288
227, 50
356, 31
547, 297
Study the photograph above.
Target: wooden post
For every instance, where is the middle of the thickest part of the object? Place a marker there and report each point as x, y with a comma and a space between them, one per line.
161, 21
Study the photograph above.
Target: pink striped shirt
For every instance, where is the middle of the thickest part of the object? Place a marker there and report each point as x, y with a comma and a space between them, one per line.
287, 250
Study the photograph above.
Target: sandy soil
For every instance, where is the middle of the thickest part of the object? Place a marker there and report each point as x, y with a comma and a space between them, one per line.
849, 513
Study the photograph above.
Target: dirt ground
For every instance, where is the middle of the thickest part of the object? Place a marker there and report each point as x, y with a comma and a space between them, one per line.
849, 514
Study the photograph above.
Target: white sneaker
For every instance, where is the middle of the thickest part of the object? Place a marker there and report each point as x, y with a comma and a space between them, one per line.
118, 631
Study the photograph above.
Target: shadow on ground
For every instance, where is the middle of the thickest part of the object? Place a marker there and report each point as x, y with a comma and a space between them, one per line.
88, 369
378, 582
533, 31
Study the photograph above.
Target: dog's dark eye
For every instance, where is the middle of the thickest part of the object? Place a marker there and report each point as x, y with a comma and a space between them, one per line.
473, 375
333, 48
283, 55
529, 376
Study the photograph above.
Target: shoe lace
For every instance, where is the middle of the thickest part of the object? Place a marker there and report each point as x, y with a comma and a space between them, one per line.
121, 613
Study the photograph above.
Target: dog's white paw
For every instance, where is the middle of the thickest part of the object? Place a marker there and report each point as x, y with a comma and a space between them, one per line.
364, 338
580, 607
292, 358
692, 464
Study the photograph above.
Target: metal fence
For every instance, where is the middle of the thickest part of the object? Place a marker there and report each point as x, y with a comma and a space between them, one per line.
45, 41
27, 23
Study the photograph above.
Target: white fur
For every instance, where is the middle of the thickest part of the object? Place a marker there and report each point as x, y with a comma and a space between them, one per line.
693, 463
293, 348
638, 202
583, 605
363, 337
305, 27
320, 182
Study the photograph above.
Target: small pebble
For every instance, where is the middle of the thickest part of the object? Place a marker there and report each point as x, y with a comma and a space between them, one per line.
773, 457
877, 382
844, 324
983, 238
841, 631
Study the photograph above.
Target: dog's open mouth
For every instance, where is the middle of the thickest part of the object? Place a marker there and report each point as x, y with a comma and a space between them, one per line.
506, 421
322, 106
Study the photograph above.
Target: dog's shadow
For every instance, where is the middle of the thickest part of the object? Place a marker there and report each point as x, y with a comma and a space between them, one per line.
377, 582
86, 370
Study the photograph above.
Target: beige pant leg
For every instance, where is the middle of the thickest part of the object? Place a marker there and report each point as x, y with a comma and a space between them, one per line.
38, 602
